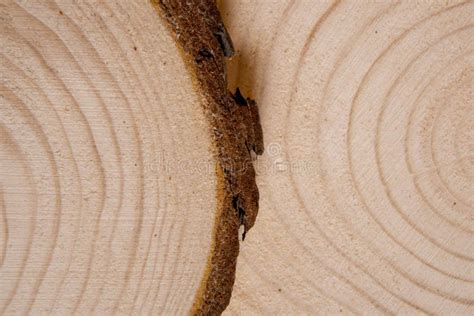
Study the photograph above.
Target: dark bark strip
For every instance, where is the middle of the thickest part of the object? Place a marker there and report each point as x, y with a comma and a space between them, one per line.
199, 30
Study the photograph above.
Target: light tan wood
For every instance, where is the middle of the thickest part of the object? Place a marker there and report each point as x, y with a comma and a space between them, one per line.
107, 179
108, 186
367, 182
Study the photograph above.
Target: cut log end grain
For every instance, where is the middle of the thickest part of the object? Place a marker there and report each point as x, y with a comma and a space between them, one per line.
126, 168
124, 161
367, 184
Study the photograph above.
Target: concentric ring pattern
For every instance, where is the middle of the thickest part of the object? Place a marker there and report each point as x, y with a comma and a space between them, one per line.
367, 191
106, 178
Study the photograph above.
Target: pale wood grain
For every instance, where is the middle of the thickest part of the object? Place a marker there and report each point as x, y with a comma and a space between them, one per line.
107, 182
107, 179
367, 187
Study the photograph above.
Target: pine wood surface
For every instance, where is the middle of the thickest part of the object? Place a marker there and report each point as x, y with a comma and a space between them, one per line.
107, 174
367, 181
107, 178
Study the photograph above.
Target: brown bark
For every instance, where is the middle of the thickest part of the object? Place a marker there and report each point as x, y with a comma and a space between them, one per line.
237, 132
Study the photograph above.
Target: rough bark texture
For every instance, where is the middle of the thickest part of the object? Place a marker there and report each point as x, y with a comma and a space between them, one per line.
236, 128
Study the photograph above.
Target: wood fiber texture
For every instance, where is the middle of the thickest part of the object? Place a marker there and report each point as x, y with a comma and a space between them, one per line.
128, 133
125, 163
366, 184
